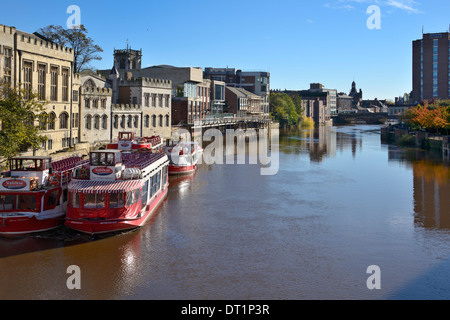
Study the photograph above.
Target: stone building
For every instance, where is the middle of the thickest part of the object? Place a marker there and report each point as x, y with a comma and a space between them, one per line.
150, 102
191, 93
356, 95
34, 63
345, 103
95, 109
148, 99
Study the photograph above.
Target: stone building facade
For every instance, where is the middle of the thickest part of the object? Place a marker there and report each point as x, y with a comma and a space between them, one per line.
95, 109
151, 101
32, 62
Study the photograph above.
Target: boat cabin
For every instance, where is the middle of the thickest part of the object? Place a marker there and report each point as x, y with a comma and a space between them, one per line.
20, 189
126, 136
105, 164
32, 169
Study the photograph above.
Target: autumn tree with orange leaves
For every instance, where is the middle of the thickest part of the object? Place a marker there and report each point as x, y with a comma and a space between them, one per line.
431, 117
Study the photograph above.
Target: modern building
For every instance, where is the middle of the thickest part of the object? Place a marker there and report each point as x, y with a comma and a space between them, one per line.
34, 63
256, 82
217, 98
431, 67
242, 103
332, 96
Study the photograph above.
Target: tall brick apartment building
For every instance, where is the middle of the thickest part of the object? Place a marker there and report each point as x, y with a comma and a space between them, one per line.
431, 67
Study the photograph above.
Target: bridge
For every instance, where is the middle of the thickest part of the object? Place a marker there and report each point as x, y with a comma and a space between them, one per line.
361, 118
222, 123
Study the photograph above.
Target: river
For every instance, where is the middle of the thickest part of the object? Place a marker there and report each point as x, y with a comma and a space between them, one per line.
341, 201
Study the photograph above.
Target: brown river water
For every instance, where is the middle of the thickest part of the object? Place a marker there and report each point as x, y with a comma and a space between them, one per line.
341, 201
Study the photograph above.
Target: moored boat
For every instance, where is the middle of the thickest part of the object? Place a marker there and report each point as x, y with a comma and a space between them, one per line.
33, 194
127, 141
121, 191
183, 158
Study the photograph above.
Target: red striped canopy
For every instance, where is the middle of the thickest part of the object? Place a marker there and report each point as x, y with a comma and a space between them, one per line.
90, 186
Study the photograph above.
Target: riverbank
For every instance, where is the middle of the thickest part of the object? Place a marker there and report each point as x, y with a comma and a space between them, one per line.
418, 139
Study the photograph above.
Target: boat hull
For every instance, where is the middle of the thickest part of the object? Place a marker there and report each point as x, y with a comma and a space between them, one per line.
96, 227
17, 226
182, 170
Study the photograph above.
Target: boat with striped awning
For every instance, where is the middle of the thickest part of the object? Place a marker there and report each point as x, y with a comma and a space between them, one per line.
117, 191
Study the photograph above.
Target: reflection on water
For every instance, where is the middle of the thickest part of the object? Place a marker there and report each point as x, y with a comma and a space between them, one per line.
342, 201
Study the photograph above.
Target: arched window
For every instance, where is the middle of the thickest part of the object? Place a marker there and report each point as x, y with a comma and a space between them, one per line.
89, 83
97, 122
122, 122
51, 121
43, 118
105, 122
64, 120
136, 122
160, 121
147, 121
130, 121
154, 121
116, 122
88, 122
167, 121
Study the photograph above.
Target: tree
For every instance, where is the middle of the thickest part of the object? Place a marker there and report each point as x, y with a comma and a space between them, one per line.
283, 108
19, 111
83, 46
433, 117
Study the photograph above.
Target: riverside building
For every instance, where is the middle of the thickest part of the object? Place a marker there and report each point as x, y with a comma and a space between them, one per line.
431, 67
32, 62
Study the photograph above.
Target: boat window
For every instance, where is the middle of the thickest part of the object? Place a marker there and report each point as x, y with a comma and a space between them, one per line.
144, 193
102, 158
24, 202
165, 174
100, 200
51, 199
136, 195
118, 157
94, 159
94, 201
74, 200
89, 201
130, 198
116, 200
7, 202
110, 159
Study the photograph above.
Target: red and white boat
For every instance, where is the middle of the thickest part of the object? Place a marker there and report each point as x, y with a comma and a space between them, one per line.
33, 194
127, 141
118, 192
183, 158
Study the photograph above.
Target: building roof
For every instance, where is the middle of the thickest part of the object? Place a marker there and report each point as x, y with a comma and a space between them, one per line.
242, 92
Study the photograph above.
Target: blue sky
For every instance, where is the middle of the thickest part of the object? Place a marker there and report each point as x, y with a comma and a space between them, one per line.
298, 41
